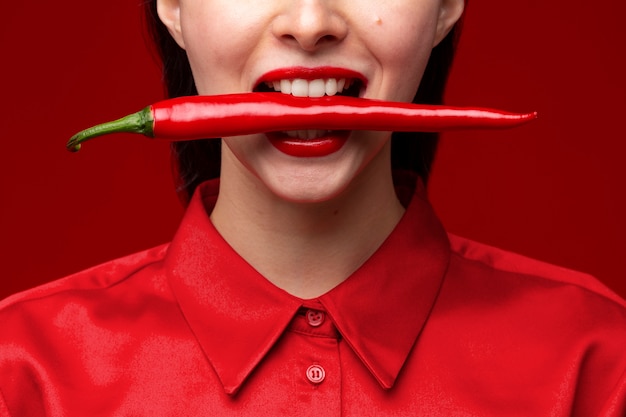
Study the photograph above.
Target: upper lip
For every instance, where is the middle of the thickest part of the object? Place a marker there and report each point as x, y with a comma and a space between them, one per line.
292, 73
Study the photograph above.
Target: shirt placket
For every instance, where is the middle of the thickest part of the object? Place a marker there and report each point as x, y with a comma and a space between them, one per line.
313, 343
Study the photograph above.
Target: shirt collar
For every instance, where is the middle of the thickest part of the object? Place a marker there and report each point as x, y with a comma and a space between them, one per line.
237, 315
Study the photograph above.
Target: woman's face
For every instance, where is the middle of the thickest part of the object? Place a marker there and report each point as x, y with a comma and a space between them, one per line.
379, 48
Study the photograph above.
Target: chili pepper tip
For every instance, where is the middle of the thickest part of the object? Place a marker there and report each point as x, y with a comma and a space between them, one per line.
139, 122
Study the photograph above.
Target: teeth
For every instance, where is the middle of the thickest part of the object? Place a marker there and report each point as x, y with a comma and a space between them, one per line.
306, 134
317, 88
299, 88
313, 88
285, 86
331, 86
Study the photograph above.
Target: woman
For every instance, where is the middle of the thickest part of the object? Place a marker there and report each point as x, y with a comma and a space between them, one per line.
313, 277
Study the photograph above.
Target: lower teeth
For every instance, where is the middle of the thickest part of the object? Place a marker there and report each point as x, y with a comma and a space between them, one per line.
306, 134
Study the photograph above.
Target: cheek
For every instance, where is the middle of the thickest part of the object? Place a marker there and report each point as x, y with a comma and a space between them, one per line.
219, 40
403, 44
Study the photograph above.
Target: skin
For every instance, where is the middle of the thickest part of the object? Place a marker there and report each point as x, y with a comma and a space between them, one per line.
307, 223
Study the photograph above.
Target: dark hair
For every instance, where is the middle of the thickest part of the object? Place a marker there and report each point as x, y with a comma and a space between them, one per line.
197, 161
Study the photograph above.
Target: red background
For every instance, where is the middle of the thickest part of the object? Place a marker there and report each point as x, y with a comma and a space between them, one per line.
553, 190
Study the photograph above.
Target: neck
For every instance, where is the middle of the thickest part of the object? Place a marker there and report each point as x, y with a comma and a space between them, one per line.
308, 248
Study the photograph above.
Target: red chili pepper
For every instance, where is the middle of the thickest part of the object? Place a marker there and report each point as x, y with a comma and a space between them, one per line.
200, 117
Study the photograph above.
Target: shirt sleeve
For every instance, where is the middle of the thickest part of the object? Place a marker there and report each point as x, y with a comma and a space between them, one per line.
4, 411
615, 406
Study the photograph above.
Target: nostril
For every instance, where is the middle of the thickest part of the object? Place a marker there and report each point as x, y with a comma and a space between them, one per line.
310, 29
289, 38
310, 43
326, 39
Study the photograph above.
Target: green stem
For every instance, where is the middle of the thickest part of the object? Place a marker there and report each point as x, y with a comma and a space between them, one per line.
140, 122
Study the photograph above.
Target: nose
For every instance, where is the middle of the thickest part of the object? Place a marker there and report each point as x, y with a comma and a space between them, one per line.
310, 24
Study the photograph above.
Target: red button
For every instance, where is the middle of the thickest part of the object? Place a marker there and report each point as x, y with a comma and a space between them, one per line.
315, 318
315, 374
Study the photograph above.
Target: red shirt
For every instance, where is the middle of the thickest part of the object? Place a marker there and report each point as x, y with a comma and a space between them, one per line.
430, 325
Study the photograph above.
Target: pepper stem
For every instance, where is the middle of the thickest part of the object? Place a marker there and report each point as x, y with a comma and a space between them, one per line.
140, 122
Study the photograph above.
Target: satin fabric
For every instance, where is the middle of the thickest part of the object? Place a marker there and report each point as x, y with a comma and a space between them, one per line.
431, 325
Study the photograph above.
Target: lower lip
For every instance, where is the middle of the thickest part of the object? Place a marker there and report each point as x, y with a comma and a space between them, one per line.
309, 148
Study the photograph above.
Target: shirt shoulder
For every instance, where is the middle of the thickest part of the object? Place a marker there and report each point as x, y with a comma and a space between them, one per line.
79, 333
540, 321
100, 277
502, 261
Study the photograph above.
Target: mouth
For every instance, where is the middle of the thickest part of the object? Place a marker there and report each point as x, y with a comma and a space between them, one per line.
313, 83
319, 87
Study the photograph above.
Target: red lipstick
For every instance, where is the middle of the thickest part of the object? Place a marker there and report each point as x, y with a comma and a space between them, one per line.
309, 148
305, 73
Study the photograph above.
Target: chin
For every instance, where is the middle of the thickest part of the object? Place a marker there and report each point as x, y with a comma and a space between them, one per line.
307, 195
309, 188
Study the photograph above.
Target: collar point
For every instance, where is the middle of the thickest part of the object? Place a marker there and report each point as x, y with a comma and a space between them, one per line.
386, 382
231, 390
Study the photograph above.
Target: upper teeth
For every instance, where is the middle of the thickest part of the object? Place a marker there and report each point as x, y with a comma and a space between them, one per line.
311, 88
